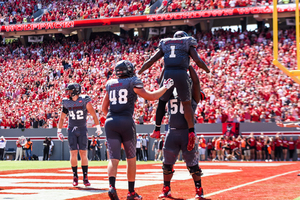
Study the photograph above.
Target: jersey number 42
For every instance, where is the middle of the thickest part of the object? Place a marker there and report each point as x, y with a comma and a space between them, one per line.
76, 116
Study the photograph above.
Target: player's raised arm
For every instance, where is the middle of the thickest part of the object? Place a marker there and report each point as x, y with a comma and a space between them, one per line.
159, 54
151, 96
200, 63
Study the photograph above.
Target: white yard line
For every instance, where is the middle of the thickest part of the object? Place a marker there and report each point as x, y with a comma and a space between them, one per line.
250, 183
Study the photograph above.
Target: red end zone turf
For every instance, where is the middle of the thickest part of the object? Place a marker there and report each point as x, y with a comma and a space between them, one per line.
221, 180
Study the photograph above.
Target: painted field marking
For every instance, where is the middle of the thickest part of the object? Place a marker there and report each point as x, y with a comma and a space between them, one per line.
250, 183
56, 182
241, 164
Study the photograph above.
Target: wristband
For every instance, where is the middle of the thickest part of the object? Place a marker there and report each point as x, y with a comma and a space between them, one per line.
59, 130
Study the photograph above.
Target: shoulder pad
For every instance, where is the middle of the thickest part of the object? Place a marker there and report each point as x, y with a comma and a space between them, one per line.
64, 100
137, 82
85, 96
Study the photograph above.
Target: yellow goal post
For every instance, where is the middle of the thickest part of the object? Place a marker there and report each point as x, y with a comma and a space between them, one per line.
294, 74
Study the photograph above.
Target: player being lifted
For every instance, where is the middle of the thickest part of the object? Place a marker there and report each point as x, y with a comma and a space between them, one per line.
118, 105
77, 107
177, 52
177, 139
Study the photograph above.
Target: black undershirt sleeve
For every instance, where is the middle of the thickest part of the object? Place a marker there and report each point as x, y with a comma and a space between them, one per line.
64, 110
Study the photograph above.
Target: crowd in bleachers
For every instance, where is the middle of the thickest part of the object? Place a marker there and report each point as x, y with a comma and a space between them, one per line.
244, 86
250, 148
21, 11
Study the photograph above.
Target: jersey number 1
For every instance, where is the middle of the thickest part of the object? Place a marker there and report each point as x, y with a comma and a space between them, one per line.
172, 55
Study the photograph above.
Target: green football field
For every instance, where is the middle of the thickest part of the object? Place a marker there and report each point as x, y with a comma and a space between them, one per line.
21, 165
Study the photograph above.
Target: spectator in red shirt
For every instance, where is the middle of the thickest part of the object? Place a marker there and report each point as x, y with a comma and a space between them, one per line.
202, 147
291, 145
224, 116
272, 148
297, 142
298, 147
252, 147
212, 118
278, 147
209, 147
259, 146
284, 148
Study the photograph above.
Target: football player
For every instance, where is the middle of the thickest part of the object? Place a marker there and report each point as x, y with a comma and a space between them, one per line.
118, 106
77, 106
177, 139
177, 52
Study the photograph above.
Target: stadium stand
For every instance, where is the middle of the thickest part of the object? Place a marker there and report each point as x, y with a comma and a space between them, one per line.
244, 85
22, 11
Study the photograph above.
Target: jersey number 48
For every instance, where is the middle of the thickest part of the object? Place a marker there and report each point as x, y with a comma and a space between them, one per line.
122, 96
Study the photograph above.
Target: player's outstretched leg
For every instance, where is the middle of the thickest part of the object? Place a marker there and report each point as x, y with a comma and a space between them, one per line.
131, 172
75, 176
189, 117
73, 161
160, 113
112, 173
85, 178
84, 166
112, 193
168, 172
196, 172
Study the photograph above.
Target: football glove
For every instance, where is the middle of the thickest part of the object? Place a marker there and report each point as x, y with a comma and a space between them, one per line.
60, 135
98, 131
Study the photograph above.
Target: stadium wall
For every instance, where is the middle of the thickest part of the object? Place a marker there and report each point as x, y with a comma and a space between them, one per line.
61, 149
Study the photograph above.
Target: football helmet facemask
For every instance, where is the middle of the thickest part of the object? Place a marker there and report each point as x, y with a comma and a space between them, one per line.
73, 89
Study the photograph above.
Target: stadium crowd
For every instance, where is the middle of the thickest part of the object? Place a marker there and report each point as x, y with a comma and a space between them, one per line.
251, 148
21, 11
244, 85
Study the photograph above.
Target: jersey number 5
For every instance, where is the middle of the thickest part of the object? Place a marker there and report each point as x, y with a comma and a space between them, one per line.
172, 55
78, 116
122, 96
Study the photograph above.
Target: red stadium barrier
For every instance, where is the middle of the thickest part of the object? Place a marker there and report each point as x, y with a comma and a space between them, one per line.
147, 18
